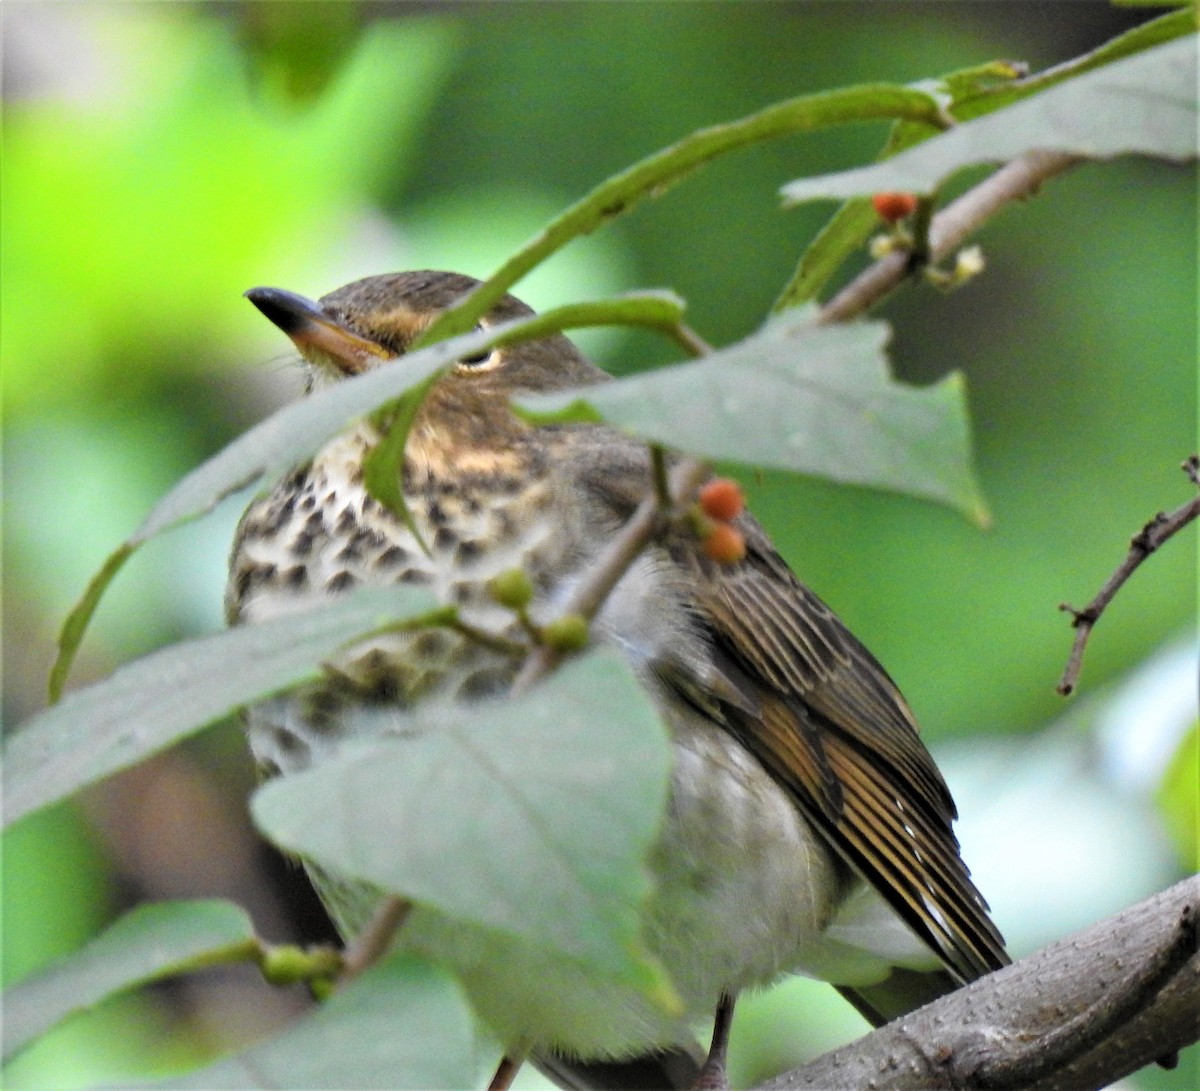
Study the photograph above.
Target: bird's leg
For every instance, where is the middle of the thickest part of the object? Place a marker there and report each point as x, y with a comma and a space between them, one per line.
713, 1076
507, 1069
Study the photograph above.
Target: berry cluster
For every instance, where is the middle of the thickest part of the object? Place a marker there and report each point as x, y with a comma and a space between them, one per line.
721, 502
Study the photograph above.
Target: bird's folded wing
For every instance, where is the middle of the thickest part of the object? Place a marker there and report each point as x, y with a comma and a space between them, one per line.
833, 729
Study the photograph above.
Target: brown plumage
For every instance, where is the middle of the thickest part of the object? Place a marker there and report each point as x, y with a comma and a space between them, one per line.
803, 799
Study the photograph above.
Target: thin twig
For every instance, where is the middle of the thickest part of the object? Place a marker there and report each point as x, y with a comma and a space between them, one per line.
495, 641
372, 943
690, 340
613, 562
1014, 181
658, 468
1161, 528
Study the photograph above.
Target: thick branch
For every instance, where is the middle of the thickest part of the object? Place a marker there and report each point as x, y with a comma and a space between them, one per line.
1076, 1015
951, 227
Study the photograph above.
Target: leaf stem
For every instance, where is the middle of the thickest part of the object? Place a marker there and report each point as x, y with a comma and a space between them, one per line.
372, 943
613, 562
658, 466
689, 340
494, 641
655, 174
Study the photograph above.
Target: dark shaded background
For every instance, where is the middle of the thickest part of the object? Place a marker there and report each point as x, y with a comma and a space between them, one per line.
160, 159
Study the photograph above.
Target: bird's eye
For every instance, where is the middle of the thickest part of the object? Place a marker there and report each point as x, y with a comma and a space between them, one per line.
483, 358
478, 358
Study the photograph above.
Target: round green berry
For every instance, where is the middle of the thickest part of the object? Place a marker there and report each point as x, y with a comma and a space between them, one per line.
512, 588
568, 633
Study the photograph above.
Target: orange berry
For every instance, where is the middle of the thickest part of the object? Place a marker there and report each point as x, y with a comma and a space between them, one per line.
722, 499
894, 206
725, 544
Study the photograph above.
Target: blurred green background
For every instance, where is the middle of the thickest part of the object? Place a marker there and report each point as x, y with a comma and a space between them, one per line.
159, 159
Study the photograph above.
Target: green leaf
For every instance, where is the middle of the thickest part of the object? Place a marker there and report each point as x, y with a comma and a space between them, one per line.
531, 815
383, 466
655, 310
266, 451
402, 1024
972, 93
76, 624
816, 400
1144, 104
984, 99
154, 701
850, 226
1153, 3
151, 942
295, 432
1177, 798
654, 175
577, 411
843, 235
981, 79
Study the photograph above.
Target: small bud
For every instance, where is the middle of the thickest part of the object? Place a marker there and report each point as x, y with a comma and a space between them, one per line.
568, 633
969, 263
894, 207
725, 544
512, 588
722, 499
882, 245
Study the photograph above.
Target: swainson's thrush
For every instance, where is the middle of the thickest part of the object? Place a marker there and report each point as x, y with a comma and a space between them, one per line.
808, 828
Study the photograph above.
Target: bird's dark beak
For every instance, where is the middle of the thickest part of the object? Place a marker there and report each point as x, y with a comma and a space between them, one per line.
322, 340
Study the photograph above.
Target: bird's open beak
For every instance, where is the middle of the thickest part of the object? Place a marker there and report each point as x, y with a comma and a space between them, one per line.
322, 340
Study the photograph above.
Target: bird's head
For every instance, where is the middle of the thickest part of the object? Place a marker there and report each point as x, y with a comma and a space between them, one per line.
372, 321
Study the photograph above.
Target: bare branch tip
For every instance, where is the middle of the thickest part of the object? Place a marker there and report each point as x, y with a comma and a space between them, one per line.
1086, 616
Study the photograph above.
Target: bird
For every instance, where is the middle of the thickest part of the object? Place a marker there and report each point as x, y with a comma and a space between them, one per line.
808, 828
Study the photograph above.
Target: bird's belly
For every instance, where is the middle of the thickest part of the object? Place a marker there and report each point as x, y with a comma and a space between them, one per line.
745, 887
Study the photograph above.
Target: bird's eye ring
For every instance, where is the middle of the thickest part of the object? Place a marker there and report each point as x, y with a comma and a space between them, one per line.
479, 359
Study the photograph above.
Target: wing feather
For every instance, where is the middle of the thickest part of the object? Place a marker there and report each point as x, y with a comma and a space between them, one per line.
833, 729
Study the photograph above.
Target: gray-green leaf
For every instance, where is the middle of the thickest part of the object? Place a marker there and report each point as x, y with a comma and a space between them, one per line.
532, 815
402, 1024
150, 942
815, 400
151, 703
1144, 104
